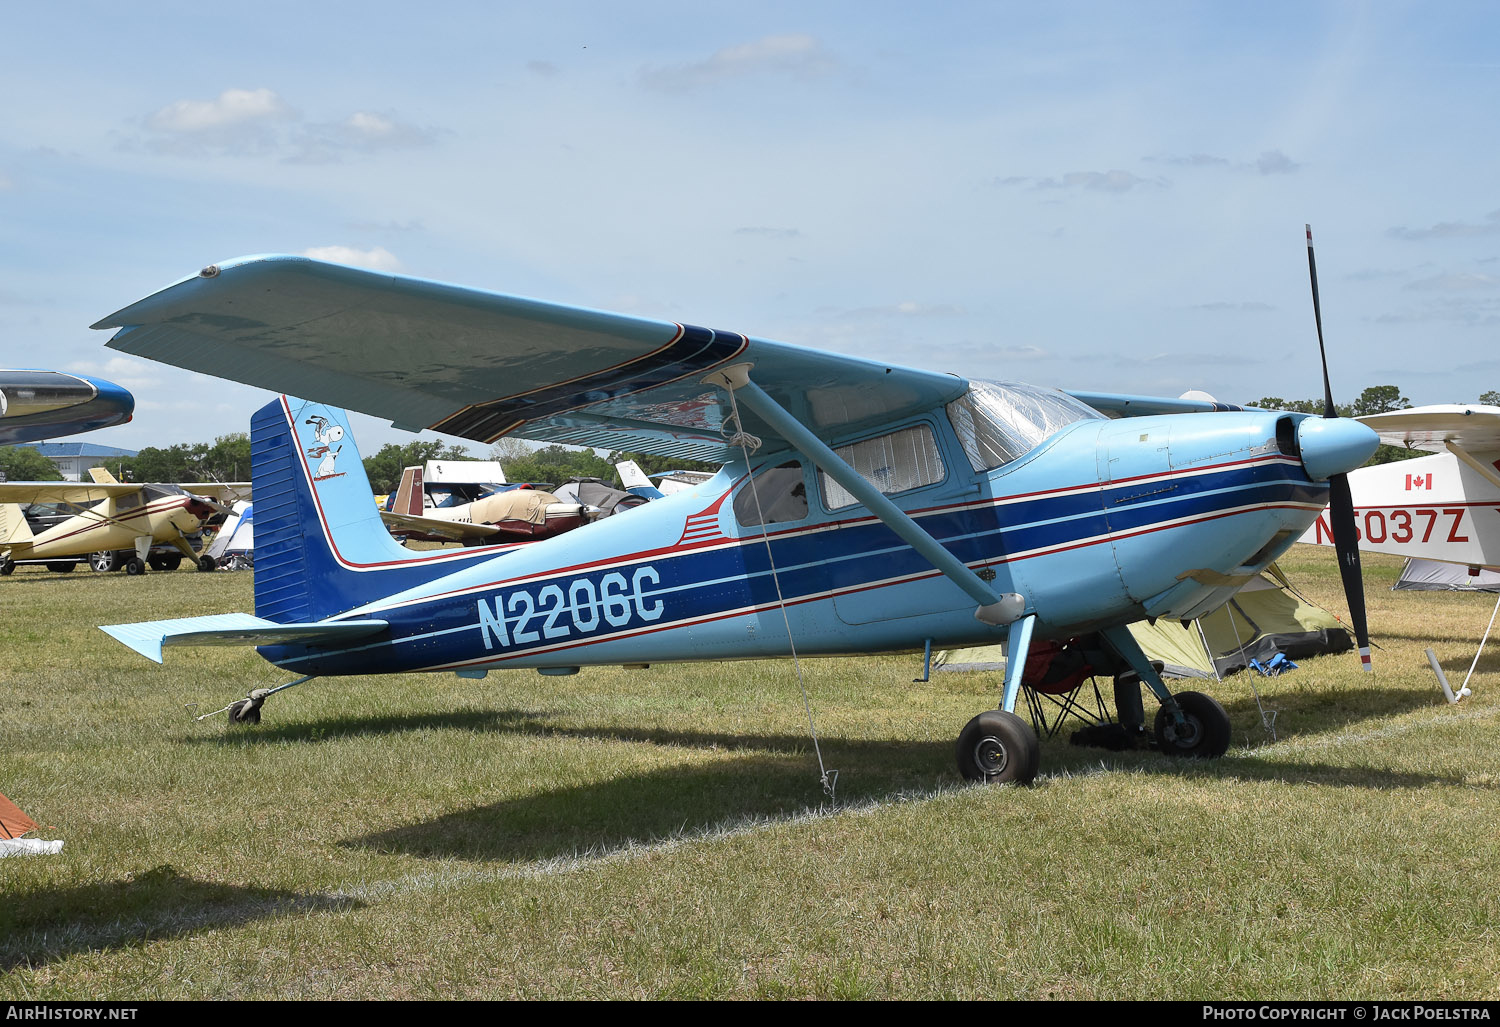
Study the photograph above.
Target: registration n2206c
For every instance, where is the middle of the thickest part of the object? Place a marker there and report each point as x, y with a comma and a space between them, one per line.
582, 606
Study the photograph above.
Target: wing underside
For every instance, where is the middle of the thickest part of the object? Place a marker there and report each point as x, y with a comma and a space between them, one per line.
481, 365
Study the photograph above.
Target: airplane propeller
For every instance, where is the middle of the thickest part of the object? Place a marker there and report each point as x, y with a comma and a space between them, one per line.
1340, 499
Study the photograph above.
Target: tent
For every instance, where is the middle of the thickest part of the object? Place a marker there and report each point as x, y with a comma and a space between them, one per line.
1265, 617
1434, 576
234, 546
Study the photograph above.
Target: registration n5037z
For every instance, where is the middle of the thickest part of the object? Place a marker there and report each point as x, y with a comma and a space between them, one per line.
524, 616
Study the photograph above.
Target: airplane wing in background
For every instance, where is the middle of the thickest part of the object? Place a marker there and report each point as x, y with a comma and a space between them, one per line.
1475, 429
458, 531
481, 365
79, 493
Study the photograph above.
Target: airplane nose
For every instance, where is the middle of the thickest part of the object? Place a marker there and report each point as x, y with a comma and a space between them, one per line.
1334, 445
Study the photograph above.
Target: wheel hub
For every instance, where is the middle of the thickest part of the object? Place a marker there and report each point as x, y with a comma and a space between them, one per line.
990, 754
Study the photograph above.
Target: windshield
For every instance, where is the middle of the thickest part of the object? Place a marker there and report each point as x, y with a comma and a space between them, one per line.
999, 421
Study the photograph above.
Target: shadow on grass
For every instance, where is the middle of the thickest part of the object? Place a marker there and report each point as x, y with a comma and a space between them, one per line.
52, 924
747, 785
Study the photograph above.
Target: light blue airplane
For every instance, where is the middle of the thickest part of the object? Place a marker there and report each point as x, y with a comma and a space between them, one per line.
37, 405
862, 507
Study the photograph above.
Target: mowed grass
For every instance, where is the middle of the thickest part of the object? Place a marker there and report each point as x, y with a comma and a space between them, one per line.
662, 832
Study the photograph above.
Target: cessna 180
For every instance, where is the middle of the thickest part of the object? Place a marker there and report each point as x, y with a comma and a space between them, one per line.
861, 506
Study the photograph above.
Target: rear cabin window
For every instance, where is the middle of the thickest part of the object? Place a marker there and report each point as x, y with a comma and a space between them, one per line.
899, 462
776, 495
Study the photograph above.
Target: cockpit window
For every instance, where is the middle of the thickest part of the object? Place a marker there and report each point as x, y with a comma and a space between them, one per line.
157, 490
997, 422
777, 494
898, 462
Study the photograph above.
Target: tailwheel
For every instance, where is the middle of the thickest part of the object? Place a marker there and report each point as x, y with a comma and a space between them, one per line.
246, 711
996, 747
1204, 733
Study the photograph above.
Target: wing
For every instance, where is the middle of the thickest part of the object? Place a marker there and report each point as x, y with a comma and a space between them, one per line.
80, 493
1117, 404
456, 530
481, 365
1472, 428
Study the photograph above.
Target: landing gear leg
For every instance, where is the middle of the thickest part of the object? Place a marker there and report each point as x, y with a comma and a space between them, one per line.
1189, 724
997, 746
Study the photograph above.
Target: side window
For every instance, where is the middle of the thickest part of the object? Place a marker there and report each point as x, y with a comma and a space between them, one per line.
129, 501
898, 462
782, 495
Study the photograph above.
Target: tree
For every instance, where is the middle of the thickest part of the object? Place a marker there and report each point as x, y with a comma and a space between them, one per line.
1379, 399
22, 463
227, 458
556, 463
385, 467
1491, 398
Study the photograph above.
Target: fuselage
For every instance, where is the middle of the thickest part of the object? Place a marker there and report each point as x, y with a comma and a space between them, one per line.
1102, 523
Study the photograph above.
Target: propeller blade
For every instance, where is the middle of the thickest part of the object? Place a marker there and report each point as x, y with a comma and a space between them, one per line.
1329, 410
1340, 499
1346, 544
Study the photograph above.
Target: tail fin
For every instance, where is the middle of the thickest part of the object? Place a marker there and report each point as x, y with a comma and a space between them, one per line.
320, 545
14, 530
635, 481
102, 476
409, 494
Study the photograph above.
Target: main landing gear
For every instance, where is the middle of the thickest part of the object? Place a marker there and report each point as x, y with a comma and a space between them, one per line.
997, 746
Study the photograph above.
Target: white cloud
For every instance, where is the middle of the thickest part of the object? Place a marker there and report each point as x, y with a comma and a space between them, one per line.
797, 55
377, 259
1463, 282
258, 121
229, 108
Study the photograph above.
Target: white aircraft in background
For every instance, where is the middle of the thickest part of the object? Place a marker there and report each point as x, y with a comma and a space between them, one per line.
1443, 507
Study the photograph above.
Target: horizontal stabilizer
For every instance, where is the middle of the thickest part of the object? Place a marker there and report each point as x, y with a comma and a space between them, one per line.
148, 637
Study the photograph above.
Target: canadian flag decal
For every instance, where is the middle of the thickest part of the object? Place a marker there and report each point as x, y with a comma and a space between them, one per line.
1418, 481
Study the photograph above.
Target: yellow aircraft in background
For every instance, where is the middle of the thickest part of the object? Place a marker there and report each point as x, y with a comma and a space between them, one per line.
114, 524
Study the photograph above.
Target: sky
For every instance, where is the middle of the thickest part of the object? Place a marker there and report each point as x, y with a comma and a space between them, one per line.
1104, 196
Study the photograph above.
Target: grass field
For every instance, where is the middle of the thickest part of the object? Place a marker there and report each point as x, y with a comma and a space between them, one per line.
661, 833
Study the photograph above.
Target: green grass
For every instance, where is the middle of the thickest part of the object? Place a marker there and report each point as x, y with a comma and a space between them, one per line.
662, 832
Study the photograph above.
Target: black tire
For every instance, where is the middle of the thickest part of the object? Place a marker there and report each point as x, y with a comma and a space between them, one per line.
61, 566
135, 566
1204, 736
996, 747
244, 712
105, 560
207, 563
7, 568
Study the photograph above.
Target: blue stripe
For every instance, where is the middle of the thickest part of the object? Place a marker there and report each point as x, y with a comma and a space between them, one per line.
712, 582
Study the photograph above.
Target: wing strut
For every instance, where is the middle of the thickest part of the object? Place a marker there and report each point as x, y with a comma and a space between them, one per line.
993, 609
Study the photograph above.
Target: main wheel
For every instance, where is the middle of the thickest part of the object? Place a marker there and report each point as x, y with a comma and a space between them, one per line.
61, 566
7, 567
996, 747
135, 566
1203, 735
105, 560
207, 563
